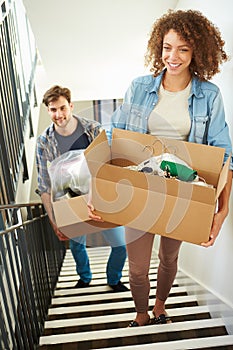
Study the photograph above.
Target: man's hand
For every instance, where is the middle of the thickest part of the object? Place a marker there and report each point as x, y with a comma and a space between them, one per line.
91, 213
59, 234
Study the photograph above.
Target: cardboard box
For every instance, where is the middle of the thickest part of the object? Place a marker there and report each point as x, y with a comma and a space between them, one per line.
152, 203
72, 217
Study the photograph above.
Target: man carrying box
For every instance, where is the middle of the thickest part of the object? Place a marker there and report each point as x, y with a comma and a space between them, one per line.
69, 132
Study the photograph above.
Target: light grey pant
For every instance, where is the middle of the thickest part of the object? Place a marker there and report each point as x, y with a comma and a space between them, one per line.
139, 251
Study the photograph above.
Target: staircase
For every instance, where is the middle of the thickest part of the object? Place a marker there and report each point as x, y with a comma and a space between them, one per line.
97, 318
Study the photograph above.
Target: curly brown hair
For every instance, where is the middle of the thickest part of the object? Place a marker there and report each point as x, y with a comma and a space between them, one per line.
54, 93
201, 34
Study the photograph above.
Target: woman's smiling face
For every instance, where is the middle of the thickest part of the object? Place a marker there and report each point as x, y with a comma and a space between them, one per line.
176, 54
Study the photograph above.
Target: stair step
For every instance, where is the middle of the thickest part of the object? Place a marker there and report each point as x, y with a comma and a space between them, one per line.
98, 274
142, 335
116, 306
207, 343
195, 310
103, 281
64, 328
78, 299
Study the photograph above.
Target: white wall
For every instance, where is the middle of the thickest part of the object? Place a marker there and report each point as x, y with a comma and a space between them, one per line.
94, 47
212, 267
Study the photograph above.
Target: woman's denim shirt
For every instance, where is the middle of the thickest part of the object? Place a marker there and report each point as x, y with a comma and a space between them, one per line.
208, 125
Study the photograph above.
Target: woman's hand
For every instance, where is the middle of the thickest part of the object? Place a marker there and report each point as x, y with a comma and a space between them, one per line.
221, 214
218, 220
91, 213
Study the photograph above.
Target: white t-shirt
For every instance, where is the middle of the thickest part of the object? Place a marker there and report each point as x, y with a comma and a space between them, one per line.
170, 117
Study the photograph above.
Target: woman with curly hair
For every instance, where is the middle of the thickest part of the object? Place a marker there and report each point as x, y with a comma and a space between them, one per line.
177, 101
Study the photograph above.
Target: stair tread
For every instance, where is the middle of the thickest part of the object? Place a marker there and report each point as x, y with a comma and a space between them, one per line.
104, 296
119, 305
124, 332
129, 316
194, 343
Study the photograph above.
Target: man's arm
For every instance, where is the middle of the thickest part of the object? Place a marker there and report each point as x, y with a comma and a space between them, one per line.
46, 200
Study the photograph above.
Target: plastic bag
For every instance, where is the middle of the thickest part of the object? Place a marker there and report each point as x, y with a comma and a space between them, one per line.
69, 174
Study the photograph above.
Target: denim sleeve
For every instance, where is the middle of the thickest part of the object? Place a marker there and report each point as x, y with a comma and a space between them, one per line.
218, 133
118, 120
120, 115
